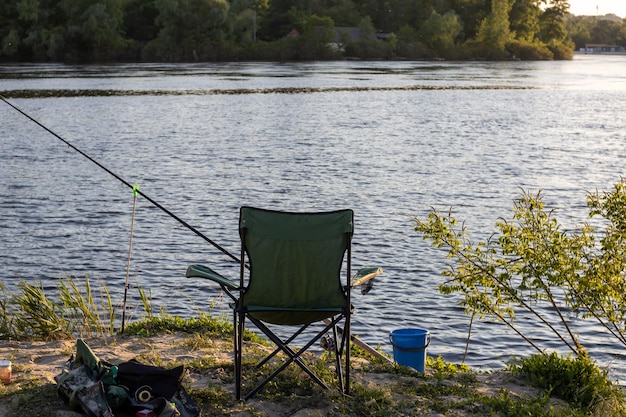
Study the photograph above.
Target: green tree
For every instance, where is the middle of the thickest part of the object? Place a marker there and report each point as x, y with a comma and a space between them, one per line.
342, 12
440, 32
578, 29
524, 19
190, 29
28, 10
317, 34
174, 30
278, 22
601, 294
420, 11
552, 21
93, 30
530, 263
386, 15
552, 29
30, 30
9, 33
369, 46
606, 31
586, 29
409, 44
140, 20
472, 13
366, 27
621, 35
246, 16
494, 31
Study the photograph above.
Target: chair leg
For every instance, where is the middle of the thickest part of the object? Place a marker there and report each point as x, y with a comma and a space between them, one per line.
239, 326
348, 339
340, 347
338, 358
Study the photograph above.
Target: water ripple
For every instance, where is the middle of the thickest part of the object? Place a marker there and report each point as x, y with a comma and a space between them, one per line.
57, 93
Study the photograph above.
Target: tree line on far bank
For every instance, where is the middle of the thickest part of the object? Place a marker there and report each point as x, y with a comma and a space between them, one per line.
231, 30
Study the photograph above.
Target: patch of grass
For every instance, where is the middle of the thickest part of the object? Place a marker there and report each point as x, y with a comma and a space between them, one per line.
33, 399
505, 404
164, 323
204, 324
197, 341
444, 368
206, 362
367, 401
292, 380
578, 380
214, 400
153, 357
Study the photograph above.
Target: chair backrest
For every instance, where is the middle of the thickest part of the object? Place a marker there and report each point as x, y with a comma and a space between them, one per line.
295, 258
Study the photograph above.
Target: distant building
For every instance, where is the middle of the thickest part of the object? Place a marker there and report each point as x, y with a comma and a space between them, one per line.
599, 48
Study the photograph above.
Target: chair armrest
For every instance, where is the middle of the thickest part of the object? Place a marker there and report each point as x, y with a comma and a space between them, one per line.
204, 272
365, 274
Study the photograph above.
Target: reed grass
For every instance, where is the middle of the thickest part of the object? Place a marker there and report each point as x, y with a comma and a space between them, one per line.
92, 316
31, 315
75, 309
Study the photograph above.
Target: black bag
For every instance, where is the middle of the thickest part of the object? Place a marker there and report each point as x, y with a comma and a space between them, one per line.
144, 382
148, 385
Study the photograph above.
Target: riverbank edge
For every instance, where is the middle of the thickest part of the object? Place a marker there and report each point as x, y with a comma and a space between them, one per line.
391, 389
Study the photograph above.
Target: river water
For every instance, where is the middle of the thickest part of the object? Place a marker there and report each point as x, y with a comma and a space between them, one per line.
388, 139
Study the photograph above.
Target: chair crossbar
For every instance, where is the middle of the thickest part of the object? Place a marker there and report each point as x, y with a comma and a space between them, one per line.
286, 342
293, 356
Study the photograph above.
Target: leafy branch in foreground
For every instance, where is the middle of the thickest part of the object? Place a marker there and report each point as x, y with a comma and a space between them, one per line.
530, 263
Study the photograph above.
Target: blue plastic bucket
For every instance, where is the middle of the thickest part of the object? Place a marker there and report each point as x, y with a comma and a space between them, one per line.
409, 347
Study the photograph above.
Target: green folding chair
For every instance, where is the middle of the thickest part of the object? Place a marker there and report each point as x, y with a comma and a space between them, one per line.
290, 274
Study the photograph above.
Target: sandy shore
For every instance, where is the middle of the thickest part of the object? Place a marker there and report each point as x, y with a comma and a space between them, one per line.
39, 362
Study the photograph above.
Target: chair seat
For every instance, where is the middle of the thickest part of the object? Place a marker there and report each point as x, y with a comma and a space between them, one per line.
291, 316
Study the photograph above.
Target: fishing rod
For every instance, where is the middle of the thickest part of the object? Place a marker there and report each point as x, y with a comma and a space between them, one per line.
122, 180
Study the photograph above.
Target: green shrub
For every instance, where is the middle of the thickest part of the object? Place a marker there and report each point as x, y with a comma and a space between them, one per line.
413, 50
578, 380
369, 49
528, 51
562, 50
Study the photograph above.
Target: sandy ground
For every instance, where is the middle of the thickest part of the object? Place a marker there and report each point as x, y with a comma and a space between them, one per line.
41, 361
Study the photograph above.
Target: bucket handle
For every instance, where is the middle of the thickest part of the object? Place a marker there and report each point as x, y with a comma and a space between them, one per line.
411, 349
